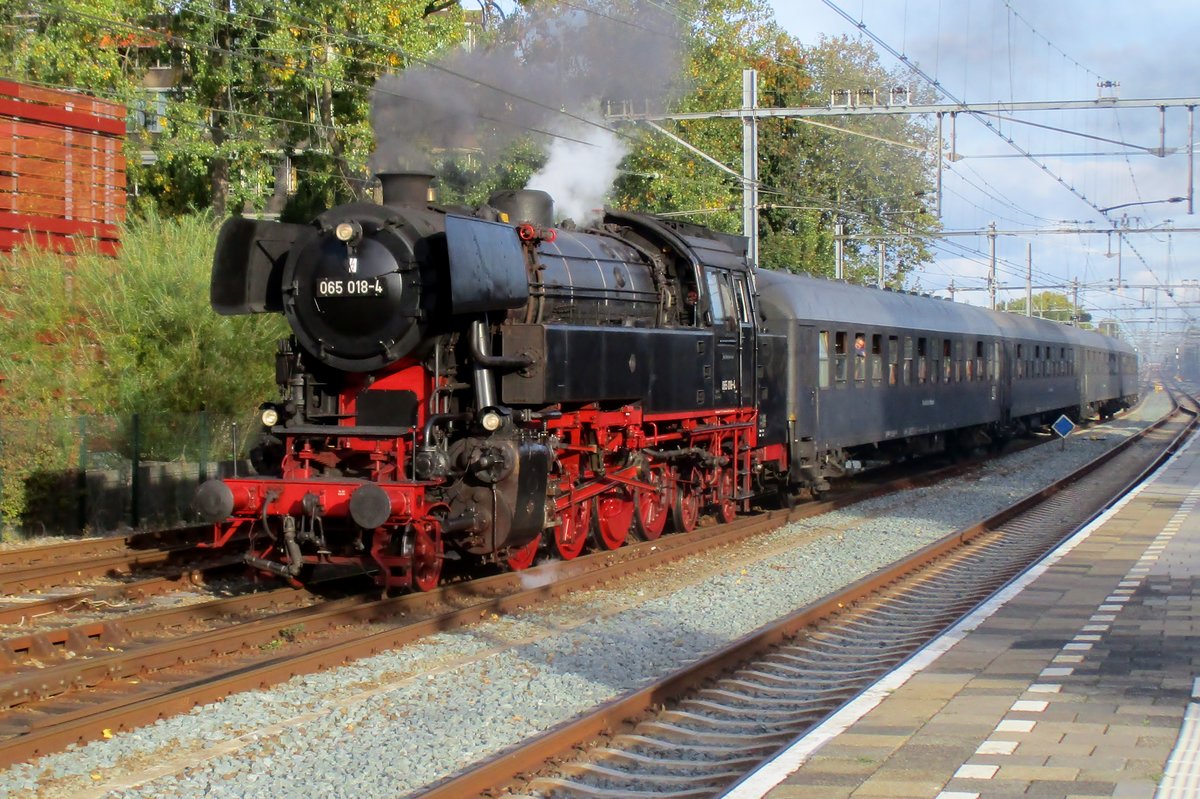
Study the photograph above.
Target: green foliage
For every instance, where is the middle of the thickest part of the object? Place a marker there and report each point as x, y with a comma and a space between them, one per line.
255, 82
812, 176
1050, 305
66, 43
128, 335
94, 335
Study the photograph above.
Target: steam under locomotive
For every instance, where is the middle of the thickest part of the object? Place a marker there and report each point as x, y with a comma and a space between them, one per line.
476, 383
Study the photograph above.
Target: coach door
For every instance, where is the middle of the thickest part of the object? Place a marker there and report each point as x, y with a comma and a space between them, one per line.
807, 373
727, 364
1003, 380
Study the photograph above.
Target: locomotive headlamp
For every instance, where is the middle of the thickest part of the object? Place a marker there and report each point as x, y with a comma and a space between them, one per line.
491, 421
270, 417
348, 232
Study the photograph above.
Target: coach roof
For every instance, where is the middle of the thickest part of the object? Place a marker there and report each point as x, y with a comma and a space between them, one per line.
790, 296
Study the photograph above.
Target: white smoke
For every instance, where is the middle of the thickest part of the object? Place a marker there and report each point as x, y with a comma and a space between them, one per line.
579, 176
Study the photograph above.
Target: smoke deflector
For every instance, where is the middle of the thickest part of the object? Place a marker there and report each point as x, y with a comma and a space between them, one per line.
487, 266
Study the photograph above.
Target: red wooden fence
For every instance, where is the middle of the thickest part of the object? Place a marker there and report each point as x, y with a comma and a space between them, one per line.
62, 173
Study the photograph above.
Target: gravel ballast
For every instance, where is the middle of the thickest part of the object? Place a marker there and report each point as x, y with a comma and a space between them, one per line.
390, 724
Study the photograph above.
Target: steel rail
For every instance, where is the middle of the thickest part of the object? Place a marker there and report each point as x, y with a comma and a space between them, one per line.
477, 599
22, 556
561, 741
482, 597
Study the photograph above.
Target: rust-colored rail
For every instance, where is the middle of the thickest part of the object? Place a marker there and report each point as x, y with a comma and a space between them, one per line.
560, 742
242, 646
235, 659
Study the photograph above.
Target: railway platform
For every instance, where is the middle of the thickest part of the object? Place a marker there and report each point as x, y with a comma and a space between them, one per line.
1081, 679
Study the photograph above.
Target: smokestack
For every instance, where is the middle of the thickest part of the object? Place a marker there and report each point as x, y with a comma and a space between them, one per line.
526, 205
405, 188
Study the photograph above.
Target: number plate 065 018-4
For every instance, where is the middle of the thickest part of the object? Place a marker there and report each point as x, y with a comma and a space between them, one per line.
354, 287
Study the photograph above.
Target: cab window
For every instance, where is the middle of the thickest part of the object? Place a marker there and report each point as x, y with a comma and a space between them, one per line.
741, 294
718, 293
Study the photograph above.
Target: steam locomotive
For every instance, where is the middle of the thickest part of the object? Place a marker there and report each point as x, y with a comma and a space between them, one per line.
476, 383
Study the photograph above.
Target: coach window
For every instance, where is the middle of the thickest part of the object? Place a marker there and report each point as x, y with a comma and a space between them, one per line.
947, 361
935, 363
979, 373
958, 361
922, 359
876, 358
906, 368
995, 370
860, 357
1020, 360
839, 357
823, 359
893, 356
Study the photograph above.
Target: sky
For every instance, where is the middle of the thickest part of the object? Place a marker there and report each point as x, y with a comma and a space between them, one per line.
1032, 50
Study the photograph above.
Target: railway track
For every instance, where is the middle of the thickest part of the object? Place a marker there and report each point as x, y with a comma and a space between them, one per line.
37, 581
694, 733
78, 682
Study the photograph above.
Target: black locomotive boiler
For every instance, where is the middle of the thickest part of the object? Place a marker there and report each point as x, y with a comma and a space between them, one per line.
476, 383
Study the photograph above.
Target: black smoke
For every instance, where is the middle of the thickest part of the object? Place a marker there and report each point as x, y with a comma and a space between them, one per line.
548, 76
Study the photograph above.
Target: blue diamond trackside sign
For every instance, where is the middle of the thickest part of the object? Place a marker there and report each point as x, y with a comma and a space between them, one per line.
1063, 426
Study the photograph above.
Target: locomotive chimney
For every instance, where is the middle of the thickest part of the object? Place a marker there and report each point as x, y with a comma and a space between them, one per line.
405, 188
526, 205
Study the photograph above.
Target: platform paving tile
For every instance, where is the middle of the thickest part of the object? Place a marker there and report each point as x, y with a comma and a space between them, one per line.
871, 741
1033, 760
992, 789
1109, 728
901, 783
805, 791
904, 707
1056, 789
887, 726
1038, 773
1135, 789
938, 759
841, 763
1087, 760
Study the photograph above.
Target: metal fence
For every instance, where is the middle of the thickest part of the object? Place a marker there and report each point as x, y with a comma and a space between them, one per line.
69, 475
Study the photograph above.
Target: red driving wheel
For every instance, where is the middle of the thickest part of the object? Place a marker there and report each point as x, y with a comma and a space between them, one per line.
614, 517
726, 504
521, 558
426, 560
571, 533
685, 511
653, 508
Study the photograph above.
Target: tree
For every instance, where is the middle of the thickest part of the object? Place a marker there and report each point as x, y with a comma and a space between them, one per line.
812, 177
69, 44
258, 84
1050, 305
129, 335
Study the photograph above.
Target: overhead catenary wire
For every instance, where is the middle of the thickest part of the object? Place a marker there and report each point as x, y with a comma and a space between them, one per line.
864, 30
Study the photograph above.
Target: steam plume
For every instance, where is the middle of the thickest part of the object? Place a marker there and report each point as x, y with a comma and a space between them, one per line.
549, 78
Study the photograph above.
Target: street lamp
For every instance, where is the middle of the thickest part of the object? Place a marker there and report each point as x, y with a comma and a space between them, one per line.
1143, 202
